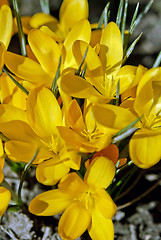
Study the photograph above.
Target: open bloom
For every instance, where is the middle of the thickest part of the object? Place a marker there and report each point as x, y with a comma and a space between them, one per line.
37, 129
86, 204
103, 70
82, 131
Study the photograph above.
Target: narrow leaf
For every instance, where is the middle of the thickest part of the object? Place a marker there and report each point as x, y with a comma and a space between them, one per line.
124, 20
102, 18
20, 30
157, 61
79, 69
146, 9
133, 21
119, 13
45, 6
16, 82
57, 75
28, 165
131, 48
130, 126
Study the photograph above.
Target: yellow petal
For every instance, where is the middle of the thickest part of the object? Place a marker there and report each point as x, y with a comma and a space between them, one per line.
2, 51
10, 113
80, 31
72, 184
41, 19
4, 2
1, 161
144, 148
74, 117
111, 51
126, 76
50, 203
18, 130
79, 10
49, 172
43, 111
50, 33
11, 94
20, 151
101, 227
113, 116
5, 197
25, 24
144, 101
77, 87
94, 73
95, 37
105, 204
80, 143
100, 172
74, 159
27, 69
74, 221
6, 22
46, 50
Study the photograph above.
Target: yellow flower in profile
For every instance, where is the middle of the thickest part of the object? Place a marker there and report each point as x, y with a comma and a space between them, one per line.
103, 71
86, 204
5, 195
144, 146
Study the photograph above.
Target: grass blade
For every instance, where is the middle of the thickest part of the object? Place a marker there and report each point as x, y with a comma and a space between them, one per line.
157, 61
20, 30
119, 13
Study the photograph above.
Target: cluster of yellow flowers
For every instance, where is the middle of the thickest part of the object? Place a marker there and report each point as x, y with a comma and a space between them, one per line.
72, 100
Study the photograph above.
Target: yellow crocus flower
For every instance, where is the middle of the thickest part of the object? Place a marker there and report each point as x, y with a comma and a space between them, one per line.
36, 128
86, 204
82, 131
103, 68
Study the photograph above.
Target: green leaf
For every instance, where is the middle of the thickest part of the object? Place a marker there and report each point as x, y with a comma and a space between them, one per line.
118, 93
123, 25
79, 69
146, 9
128, 129
133, 21
104, 16
84, 71
16, 82
20, 30
28, 165
119, 13
157, 61
131, 48
45, 6
57, 75
13, 208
